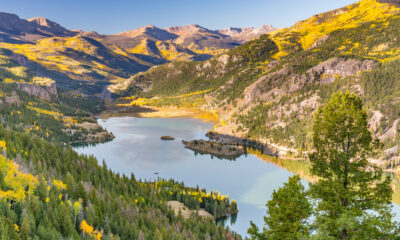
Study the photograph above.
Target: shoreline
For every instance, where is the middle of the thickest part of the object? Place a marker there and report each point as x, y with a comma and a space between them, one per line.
144, 111
291, 164
158, 112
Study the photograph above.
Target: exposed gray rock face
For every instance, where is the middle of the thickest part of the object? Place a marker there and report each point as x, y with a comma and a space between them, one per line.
265, 87
106, 94
320, 41
246, 34
13, 99
47, 27
45, 92
334, 68
20, 59
325, 72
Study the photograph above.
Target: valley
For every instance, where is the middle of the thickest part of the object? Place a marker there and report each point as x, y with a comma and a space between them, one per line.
185, 132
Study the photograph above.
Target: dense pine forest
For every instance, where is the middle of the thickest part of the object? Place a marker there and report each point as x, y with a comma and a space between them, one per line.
48, 191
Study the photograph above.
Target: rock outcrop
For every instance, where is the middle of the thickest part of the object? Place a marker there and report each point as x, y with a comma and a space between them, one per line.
336, 67
13, 99
42, 91
217, 149
179, 207
324, 73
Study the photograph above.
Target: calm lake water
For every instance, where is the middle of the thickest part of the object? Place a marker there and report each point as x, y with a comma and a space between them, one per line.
137, 148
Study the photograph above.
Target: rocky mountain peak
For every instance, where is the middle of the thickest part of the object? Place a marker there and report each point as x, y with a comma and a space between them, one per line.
11, 23
265, 29
49, 26
187, 29
149, 31
42, 21
248, 33
15, 29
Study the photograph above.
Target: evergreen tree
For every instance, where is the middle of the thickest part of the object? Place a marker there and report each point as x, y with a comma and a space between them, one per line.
354, 199
25, 228
287, 213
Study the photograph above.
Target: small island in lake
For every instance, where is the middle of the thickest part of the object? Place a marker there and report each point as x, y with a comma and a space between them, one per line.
214, 148
167, 138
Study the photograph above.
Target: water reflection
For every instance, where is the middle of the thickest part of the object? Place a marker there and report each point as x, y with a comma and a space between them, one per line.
137, 148
228, 220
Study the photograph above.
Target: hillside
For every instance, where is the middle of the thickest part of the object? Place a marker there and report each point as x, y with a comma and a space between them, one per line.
269, 88
48, 78
16, 30
263, 85
88, 61
48, 191
191, 42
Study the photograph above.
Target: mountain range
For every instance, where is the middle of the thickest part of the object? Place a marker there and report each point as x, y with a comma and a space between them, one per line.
268, 89
261, 86
49, 49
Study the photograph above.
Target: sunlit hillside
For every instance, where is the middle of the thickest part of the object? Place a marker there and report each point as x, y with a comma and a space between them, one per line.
269, 88
79, 57
315, 30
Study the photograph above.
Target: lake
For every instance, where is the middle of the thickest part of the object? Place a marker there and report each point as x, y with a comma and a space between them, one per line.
137, 148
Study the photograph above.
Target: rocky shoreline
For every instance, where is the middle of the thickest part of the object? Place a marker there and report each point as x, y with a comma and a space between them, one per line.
216, 149
243, 142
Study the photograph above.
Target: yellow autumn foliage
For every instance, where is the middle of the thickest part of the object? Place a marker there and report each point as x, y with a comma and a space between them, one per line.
19, 184
87, 229
59, 184
44, 111
305, 33
3, 145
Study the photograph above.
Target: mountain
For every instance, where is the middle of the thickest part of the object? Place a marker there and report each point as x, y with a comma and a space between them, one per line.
16, 30
264, 90
200, 39
269, 88
246, 34
51, 28
189, 43
88, 60
47, 189
73, 61
149, 31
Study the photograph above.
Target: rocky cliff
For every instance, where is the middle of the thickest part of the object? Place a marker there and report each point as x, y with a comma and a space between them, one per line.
42, 91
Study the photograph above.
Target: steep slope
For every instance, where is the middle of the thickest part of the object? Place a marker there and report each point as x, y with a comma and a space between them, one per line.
78, 58
51, 28
46, 49
48, 191
149, 31
202, 40
16, 30
191, 42
269, 88
88, 61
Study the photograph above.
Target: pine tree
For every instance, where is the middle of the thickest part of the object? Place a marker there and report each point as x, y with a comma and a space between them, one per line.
25, 228
287, 213
354, 199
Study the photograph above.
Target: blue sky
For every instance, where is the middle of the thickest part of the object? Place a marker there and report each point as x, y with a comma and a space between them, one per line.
113, 16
